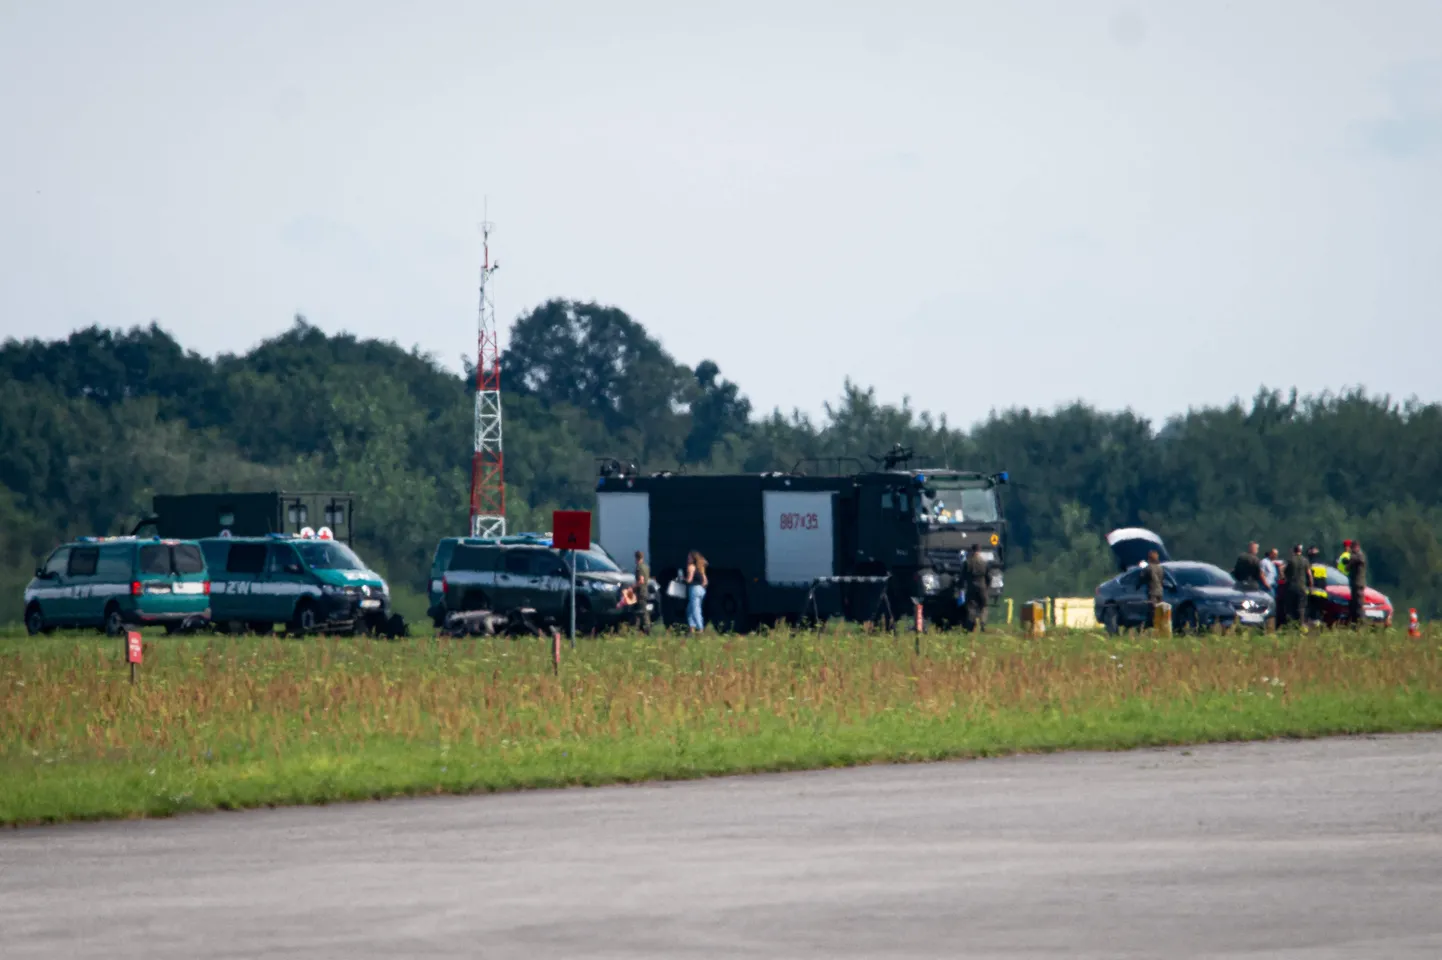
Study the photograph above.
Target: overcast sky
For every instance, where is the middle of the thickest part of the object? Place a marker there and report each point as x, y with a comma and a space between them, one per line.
976, 204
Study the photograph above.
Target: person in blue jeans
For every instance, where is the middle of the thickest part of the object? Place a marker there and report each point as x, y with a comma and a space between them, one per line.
695, 590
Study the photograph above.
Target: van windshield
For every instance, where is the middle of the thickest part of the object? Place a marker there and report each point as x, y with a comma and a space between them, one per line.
328, 555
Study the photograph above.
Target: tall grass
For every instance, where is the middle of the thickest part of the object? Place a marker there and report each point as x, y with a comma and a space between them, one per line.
229, 722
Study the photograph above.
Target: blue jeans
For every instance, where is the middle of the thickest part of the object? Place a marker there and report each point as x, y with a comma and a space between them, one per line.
695, 593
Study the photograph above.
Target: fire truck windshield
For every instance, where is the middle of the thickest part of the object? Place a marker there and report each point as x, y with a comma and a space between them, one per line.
944, 503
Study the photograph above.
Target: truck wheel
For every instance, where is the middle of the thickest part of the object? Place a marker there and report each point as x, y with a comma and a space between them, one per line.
113, 625
35, 620
728, 612
304, 621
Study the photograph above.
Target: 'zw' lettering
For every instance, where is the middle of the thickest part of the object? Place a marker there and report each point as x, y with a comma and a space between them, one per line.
800, 521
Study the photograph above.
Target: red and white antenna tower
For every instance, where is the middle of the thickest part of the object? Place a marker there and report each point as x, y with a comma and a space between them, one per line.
488, 485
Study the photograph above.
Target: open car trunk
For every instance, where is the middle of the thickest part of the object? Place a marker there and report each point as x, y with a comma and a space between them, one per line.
1130, 546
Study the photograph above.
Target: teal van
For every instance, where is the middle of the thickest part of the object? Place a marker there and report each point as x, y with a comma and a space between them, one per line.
307, 583
115, 582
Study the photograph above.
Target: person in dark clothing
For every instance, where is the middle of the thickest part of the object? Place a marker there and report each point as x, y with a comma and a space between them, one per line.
1247, 571
977, 572
1357, 581
1156, 581
1299, 584
643, 593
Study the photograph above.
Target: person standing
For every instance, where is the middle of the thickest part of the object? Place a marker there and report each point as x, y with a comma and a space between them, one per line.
1357, 582
643, 592
1317, 596
1270, 571
1247, 571
1299, 583
1344, 559
1156, 582
695, 590
977, 571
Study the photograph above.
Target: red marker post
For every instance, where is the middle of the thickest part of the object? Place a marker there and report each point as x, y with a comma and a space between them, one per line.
134, 651
571, 530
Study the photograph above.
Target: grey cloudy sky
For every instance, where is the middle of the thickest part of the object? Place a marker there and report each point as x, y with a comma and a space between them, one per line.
976, 204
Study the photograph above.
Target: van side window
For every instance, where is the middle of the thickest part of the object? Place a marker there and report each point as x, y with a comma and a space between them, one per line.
475, 559
518, 562
155, 558
83, 561
114, 564
281, 556
59, 562
245, 558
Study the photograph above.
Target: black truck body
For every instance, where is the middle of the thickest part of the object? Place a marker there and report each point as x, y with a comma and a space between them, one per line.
776, 542
194, 516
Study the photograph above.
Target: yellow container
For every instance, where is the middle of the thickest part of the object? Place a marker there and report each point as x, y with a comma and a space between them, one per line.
1162, 619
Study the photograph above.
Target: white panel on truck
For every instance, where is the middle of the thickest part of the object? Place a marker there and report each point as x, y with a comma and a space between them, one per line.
625, 525
799, 544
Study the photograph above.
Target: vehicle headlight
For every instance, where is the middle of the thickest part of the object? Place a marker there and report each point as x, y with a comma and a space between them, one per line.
604, 587
332, 591
930, 582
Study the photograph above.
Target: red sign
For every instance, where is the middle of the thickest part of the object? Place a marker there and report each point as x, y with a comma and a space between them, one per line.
571, 529
134, 651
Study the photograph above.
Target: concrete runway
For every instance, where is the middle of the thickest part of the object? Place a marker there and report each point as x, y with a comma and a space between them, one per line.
1320, 849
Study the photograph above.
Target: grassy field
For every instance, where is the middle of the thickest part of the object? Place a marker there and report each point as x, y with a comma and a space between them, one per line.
219, 722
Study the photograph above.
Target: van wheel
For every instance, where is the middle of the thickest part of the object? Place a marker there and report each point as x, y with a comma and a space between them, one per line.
304, 621
113, 625
1111, 619
35, 620
1186, 620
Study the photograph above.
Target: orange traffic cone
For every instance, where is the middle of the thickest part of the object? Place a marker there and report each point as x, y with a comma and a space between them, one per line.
1413, 628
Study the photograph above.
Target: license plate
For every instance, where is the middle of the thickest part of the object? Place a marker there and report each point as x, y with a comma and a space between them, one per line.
163, 588
1250, 617
1376, 614
370, 604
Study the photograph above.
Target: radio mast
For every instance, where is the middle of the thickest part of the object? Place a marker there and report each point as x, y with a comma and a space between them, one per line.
488, 485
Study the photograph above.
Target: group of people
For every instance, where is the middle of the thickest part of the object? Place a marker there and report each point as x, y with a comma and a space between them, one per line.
1298, 585
696, 583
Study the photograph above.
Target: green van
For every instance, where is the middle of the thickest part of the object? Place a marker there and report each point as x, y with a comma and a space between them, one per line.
307, 583
113, 582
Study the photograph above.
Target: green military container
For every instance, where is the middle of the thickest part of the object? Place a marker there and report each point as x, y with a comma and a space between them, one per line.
195, 516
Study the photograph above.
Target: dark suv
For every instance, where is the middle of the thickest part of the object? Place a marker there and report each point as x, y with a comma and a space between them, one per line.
479, 574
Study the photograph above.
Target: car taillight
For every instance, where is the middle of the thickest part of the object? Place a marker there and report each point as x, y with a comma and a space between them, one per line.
205, 588
445, 586
135, 588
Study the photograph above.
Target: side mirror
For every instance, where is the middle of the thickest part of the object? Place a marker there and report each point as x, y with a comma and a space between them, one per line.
40, 574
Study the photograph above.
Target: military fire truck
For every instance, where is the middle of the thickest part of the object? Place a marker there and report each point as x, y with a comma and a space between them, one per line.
197, 515
787, 545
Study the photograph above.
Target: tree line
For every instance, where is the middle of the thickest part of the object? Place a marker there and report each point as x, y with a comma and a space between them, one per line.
95, 424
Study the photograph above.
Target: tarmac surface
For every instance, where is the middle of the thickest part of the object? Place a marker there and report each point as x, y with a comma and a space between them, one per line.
1322, 849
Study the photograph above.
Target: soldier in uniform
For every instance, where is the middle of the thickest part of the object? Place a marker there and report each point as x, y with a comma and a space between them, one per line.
1247, 571
1156, 580
643, 592
1299, 584
977, 571
1357, 581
